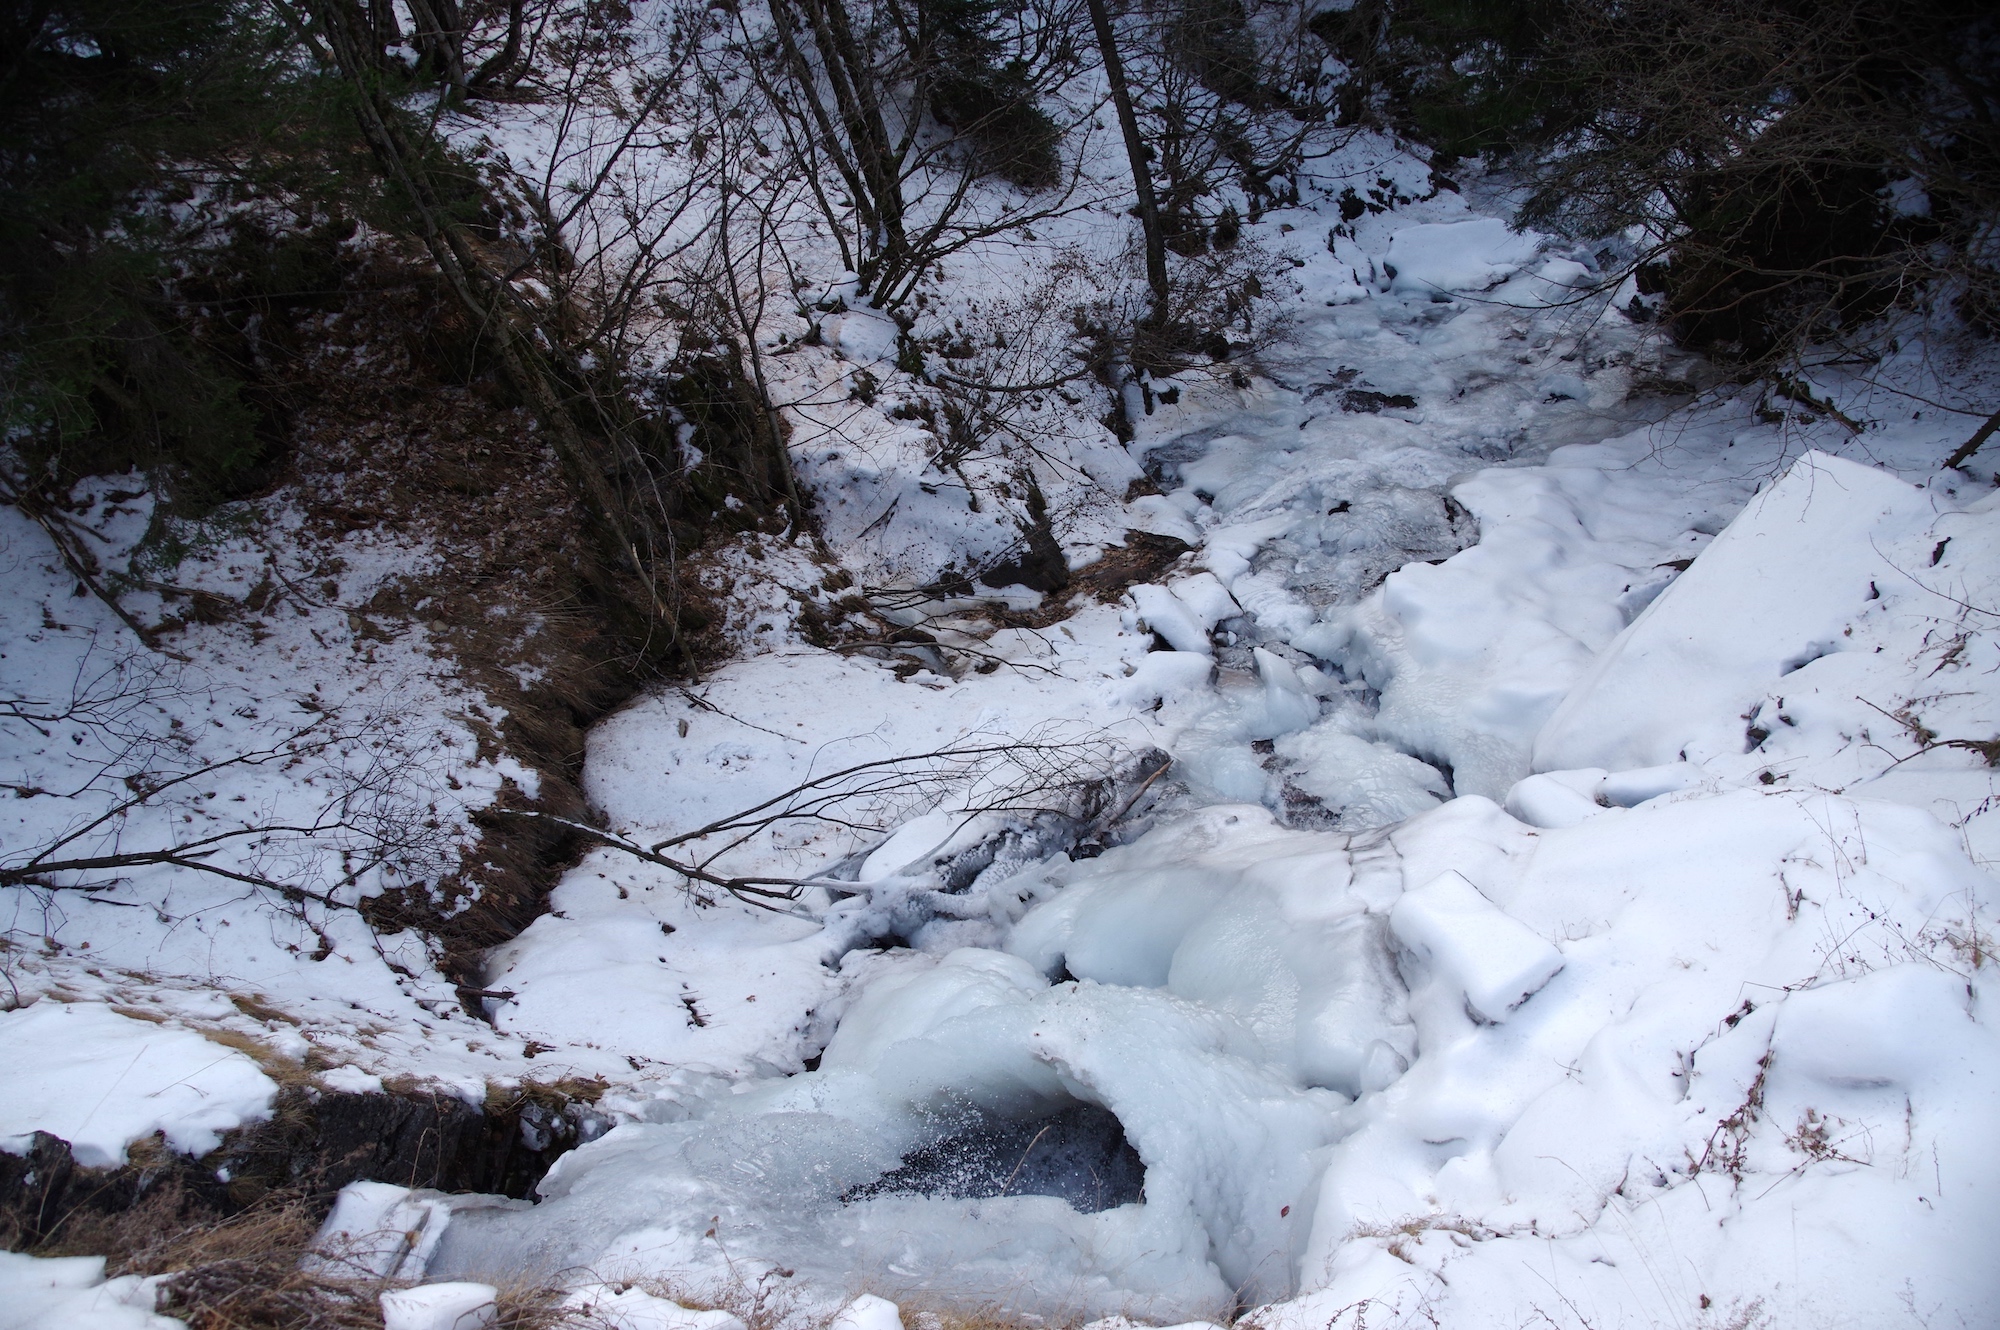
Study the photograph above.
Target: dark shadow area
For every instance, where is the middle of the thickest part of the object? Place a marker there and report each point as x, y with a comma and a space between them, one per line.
1079, 1155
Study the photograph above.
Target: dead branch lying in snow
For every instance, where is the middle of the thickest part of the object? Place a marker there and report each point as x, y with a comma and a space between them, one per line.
370, 818
1038, 774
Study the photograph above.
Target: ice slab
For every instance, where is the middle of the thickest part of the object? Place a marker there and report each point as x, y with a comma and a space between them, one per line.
378, 1230
1469, 941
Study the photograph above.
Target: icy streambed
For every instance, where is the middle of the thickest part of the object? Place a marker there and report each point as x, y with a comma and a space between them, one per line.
1626, 963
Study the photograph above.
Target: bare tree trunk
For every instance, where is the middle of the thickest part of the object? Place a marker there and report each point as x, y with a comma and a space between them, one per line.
628, 543
440, 36
499, 67
388, 30
767, 422
1135, 152
854, 92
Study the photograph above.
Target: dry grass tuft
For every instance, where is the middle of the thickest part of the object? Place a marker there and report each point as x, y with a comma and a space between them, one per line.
243, 1272
993, 1317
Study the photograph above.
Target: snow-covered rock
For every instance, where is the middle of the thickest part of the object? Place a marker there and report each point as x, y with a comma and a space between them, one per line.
1457, 256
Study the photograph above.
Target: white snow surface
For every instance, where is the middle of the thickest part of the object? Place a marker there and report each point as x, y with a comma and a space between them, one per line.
306, 715
72, 1293
1682, 1034
1570, 900
1456, 256
100, 1081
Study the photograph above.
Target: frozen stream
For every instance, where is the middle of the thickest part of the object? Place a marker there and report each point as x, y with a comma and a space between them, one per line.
1691, 1026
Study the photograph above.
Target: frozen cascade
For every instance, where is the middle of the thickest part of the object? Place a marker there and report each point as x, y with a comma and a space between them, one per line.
1224, 991
1478, 958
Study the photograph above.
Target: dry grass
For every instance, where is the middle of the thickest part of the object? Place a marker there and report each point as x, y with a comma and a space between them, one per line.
239, 1272
243, 1272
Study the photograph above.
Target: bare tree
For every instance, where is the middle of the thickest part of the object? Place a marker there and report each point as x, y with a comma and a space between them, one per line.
861, 89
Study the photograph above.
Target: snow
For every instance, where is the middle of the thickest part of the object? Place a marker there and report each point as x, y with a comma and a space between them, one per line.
868, 1312
71, 1292
1173, 619
101, 1080
1469, 969
1465, 256
291, 716
636, 1309
455, 1306
1570, 897
1473, 969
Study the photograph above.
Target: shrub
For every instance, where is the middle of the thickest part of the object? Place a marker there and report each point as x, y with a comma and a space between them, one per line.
1795, 166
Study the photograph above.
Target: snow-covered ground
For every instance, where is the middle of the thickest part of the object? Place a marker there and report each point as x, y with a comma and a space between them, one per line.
1590, 924
294, 741
1569, 901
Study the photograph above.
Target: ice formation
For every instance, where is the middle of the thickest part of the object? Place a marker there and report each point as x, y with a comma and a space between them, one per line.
1224, 993
1396, 1068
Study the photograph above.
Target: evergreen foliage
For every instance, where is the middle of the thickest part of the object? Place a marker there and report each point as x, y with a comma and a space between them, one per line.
986, 95
135, 138
1793, 167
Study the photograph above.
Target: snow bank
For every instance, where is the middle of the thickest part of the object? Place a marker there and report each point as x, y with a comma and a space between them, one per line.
1456, 256
100, 1081
1762, 1055
1779, 588
209, 724
1471, 656
72, 1293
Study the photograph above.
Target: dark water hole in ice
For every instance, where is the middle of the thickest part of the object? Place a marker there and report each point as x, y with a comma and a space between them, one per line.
1079, 1155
